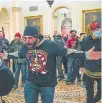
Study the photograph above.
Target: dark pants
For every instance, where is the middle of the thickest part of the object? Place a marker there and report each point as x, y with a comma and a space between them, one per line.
65, 63
59, 66
13, 66
70, 69
76, 67
31, 93
90, 89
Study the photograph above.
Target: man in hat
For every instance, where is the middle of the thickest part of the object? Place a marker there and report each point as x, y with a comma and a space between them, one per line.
92, 68
20, 63
41, 56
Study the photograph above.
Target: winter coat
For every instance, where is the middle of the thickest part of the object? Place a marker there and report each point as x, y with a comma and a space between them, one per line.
4, 45
58, 39
16, 47
6, 79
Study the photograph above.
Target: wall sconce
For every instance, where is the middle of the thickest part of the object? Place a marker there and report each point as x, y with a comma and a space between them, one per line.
50, 2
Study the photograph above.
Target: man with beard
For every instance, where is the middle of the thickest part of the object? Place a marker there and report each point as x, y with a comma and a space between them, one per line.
42, 78
20, 63
73, 64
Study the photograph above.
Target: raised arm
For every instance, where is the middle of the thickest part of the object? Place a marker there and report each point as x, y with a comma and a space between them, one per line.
90, 55
12, 55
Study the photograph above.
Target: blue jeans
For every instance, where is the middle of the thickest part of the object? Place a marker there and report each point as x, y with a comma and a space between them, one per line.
31, 93
70, 69
19, 66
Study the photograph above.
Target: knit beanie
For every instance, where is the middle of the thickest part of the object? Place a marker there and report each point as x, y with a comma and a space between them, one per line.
18, 35
32, 31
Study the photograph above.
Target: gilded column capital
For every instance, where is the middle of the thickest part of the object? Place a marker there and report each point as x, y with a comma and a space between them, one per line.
55, 17
16, 9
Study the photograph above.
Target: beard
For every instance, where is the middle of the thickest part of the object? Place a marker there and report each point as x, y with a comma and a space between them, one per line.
74, 36
31, 46
17, 41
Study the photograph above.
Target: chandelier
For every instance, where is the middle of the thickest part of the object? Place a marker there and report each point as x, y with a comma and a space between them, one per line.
50, 2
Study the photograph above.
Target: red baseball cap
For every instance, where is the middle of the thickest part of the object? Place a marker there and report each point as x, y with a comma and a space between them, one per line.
94, 25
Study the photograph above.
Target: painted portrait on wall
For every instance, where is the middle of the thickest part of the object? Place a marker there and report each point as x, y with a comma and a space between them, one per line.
89, 16
34, 20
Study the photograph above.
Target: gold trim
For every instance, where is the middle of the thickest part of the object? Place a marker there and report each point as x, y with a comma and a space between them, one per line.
83, 16
16, 9
54, 17
58, 8
92, 74
31, 17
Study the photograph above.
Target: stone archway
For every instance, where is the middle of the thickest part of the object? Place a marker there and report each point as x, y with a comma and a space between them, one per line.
61, 21
4, 22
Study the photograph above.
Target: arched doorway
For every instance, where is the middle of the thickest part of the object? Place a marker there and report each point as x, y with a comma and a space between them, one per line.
4, 22
66, 26
62, 20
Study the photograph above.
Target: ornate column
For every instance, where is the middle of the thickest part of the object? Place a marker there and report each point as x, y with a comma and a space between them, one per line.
55, 24
16, 16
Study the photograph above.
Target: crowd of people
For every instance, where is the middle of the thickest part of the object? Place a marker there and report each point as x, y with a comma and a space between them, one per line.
41, 59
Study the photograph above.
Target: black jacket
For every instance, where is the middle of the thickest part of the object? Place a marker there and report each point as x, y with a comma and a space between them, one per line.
93, 66
6, 79
42, 62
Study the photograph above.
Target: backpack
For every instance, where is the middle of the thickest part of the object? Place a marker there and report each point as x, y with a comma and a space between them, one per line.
6, 79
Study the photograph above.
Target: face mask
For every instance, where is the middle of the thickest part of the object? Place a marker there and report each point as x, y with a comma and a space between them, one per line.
97, 34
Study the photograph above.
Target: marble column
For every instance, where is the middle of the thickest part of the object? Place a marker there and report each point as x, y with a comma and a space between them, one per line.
16, 18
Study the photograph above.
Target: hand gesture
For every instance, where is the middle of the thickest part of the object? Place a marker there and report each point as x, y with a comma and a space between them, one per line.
93, 55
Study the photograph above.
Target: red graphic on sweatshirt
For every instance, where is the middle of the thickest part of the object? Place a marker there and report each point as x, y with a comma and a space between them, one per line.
37, 60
